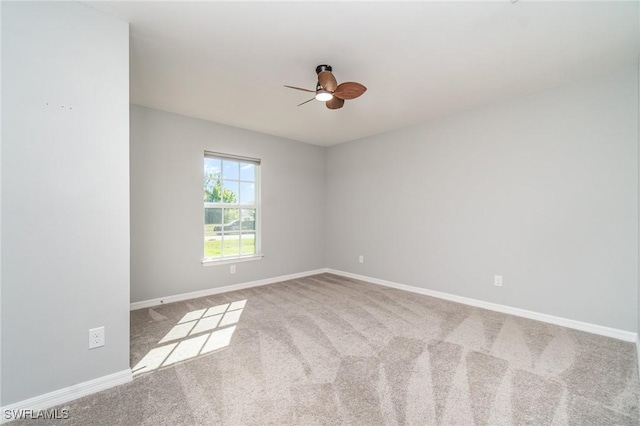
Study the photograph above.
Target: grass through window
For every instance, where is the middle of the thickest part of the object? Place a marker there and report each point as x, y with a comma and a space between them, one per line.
213, 248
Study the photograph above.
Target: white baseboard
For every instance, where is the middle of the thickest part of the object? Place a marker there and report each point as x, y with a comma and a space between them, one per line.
211, 291
67, 394
627, 336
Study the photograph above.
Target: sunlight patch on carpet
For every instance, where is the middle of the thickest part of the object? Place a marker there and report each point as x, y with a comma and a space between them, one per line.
198, 332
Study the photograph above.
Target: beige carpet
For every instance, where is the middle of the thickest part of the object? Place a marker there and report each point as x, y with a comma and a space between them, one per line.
331, 350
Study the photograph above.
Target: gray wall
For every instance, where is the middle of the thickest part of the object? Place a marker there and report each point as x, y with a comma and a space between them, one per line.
65, 196
542, 190
167, 208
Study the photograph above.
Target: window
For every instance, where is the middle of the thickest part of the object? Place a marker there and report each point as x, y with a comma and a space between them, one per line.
231, 207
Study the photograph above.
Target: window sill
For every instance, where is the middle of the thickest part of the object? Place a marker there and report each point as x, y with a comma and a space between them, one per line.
227, 260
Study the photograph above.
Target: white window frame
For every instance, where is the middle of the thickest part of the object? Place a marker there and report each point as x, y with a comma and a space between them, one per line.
257, 206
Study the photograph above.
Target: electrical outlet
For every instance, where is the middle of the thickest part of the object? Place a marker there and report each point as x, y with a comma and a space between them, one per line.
232, 269
497, 280
361, 259
96, 337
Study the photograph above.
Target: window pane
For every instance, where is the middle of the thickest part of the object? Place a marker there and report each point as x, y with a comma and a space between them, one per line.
231, 215
212, 218
249, 214
248, 172
230, 194
248, 219
230, 169
231, 245
247, 193
212, 190
213, 247
248, 243
212, 168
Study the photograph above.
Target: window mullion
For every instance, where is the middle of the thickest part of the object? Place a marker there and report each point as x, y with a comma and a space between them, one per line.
222, 234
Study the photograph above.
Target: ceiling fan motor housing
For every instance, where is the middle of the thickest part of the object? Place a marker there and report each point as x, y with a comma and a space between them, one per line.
321, 68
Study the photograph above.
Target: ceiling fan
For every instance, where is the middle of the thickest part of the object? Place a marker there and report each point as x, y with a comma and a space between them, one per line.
329, 91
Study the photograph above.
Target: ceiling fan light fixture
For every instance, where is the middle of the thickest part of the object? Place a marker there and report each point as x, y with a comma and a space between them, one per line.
323, 95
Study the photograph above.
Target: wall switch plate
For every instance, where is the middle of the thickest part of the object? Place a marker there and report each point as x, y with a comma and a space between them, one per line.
96, 337
497, 280
232, 269
361, 259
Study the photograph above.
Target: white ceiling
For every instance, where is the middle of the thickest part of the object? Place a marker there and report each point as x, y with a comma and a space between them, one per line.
227, 61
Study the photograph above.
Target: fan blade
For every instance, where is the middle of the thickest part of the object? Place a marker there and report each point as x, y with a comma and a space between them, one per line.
349, 90
327, 81
306, 101
300, 88
334, 103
